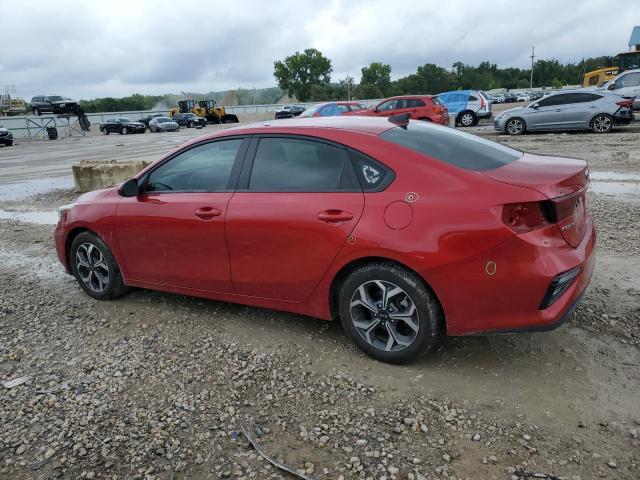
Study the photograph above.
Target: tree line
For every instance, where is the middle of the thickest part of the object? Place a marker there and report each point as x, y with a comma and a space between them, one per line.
307, 76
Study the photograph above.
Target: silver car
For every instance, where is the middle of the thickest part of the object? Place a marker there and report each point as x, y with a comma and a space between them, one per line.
597, 111
163, 124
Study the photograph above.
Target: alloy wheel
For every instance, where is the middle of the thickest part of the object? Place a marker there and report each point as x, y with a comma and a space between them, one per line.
384, 315
466, 119
602, 123
515, 127
92, 268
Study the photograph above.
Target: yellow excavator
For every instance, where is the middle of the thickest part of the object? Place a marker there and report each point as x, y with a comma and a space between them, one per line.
206, 109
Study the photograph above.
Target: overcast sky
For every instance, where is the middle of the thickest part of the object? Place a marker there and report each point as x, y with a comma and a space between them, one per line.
86, 49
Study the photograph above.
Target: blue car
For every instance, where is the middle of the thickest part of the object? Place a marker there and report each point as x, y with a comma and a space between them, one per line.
468, 105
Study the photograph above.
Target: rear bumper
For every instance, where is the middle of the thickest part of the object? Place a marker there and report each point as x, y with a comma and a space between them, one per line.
507, 297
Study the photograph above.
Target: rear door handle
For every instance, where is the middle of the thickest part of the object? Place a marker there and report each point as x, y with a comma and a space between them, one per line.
207, 213
334, 216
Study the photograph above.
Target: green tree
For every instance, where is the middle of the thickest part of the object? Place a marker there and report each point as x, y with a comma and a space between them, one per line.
377, 75
299, 72
556, 83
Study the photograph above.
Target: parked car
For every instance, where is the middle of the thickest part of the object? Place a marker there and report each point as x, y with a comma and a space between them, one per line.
627, 84
54, 104
598, 111
288, 111
468, 105
189, 120
148, 118
163, 124
6, 137
333, 109
497, 98
122, 125
404, 230
523, 97
419, 107
510, 97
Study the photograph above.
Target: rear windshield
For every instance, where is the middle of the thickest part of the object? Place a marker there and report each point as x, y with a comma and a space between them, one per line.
452, 146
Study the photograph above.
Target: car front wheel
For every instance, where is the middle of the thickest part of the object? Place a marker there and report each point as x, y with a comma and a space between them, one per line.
515, 126
95, 267
389, 312
124, 131
601, 123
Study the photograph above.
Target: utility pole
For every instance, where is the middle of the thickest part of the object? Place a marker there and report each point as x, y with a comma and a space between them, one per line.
348, 87
533, 51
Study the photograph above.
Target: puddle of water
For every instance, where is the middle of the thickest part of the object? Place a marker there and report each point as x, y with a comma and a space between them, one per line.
615, 188
20, 190
620, 176
41, 218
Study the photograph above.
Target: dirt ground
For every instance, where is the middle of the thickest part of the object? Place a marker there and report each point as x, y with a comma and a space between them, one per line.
156, 385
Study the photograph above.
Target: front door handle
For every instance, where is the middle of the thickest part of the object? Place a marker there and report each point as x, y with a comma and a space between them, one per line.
334, 216
207, 213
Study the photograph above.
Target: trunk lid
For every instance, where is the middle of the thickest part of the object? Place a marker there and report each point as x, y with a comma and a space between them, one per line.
563, 181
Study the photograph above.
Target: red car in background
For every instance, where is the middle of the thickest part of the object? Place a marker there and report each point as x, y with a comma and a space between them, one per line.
419, 107
406, 231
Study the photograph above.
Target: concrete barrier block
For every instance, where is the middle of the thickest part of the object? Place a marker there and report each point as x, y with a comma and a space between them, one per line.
93, 175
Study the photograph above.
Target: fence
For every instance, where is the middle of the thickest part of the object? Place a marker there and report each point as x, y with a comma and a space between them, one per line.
31, 126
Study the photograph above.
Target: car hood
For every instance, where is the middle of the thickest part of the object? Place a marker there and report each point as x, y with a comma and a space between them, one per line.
135, 124
96, 194
511, 111
3, 130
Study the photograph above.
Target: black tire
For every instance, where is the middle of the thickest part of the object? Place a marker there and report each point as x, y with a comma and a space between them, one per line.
425, 119
601, 123
515, 126
124, 131
467, 119
114, 286
8, 143
429, 314
190, 125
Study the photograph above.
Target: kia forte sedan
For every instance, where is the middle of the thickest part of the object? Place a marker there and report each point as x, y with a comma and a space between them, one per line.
403, 230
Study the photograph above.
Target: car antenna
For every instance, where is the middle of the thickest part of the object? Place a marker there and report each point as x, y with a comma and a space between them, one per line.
402, 120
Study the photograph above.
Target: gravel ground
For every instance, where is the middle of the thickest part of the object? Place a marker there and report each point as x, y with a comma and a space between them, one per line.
159, 386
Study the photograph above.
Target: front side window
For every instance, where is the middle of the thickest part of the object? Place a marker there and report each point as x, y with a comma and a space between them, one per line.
297, 165
629, 80
205, 168
553, 100
389, 105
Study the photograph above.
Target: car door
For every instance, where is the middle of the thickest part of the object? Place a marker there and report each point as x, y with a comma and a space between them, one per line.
579, 109
297, 202
628, 86
547, 114
173, 233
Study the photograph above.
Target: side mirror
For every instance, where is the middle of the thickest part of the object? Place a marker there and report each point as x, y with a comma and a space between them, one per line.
612, 86
130, 188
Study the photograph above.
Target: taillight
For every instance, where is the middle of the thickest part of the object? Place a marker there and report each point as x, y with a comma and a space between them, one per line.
628, 103
481, 102
526, 216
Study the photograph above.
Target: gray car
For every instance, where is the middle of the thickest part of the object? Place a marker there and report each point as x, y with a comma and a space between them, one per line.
567, 110
163, 124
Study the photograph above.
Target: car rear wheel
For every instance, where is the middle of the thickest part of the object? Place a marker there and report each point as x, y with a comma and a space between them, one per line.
389, 312
601, 123
95, 267
515, 126
467, 119
190, 125
124, 131
425, 119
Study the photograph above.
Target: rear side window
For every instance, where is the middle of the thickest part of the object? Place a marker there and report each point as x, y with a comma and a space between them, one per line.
582, 97
373, 176
452, 146
414, 103
296, 165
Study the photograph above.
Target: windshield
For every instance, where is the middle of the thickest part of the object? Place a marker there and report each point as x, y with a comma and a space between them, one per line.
162, 120
452, 146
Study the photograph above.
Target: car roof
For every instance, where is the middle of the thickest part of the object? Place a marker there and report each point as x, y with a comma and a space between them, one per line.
362, 124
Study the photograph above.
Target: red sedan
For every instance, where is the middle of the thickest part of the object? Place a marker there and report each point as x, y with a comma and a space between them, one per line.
418, 107
405, 231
